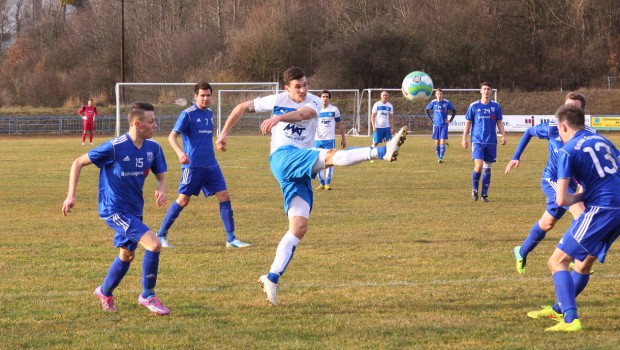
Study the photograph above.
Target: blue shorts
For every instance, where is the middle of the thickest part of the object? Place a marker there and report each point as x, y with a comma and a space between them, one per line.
209, 180
128, 230
325, 144
292, 167
382, 135
440, 132
484, 151
549, 188
596, 229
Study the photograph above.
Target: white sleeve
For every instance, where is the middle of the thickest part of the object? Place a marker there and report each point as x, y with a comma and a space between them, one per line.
391, 109
265, 104
374, 107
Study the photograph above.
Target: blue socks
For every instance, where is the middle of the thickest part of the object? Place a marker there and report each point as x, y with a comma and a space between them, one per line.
228, 218
442, 150
381, 152
565, 293
117, 271
475, 179
273, 277
536, 236
171, 215
486, 180
150, 265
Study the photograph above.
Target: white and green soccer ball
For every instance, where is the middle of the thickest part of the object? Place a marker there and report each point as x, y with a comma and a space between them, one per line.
417, 86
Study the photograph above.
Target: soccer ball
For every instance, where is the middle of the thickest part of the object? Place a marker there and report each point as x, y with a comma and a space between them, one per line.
417, 86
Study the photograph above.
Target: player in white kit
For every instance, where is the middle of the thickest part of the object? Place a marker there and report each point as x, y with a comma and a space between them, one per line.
294, 162
325, 137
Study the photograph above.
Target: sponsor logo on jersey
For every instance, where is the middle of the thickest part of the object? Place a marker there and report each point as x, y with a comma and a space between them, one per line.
126, 159
294, 129
205, 131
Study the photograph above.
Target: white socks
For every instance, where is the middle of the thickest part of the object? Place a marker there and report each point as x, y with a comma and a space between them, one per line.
284, 253
354, 156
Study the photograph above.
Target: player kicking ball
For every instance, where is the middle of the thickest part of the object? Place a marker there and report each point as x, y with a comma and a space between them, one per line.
294, 163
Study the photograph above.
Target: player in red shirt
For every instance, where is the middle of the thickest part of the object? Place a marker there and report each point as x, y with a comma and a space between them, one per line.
88, 114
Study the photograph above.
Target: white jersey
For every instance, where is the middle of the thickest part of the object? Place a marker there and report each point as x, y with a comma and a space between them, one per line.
300, 134
383, 112
326, 128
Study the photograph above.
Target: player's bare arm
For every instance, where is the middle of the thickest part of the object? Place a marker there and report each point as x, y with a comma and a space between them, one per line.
239, 111
343, 135
304, 113
513, 164
563, 198
465, 134
174, 143
160, 191
500, 126
74, 176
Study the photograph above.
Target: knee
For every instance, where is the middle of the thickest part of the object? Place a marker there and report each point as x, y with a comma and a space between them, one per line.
299, 229
546, 225
127, 256
223, 196
183, 201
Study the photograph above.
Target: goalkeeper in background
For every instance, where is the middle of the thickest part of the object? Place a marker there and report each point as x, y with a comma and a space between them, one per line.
88, 113
440, 108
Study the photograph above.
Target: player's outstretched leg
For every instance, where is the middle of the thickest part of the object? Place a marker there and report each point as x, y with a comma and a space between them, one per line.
392, 146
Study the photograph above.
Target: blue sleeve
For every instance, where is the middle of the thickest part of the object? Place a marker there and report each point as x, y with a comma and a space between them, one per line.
102, 155
427, 109
499, 115
564, 169
525, 139
159, 163
182, 124
470, 114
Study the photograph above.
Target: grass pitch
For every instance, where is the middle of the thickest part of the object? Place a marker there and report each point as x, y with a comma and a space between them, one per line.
397, 257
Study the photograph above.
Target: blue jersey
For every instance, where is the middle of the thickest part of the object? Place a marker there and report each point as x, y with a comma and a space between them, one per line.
123, 170
484, 121
196, 126
546, 131
593, 161
440, 110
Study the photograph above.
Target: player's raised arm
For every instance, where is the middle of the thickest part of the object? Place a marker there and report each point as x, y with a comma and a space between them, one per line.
239, 111
74, 176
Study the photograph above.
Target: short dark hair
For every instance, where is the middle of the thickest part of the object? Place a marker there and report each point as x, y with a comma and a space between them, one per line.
438, 90
571, 115
486, 83
202, 85
137, 111
329, 94
577, 97
293, 73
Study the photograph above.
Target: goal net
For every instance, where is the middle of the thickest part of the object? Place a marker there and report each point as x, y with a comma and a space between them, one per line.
411, 113
170, 99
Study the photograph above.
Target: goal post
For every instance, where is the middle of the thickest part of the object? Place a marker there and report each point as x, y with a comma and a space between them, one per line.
405, 111
171, 98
